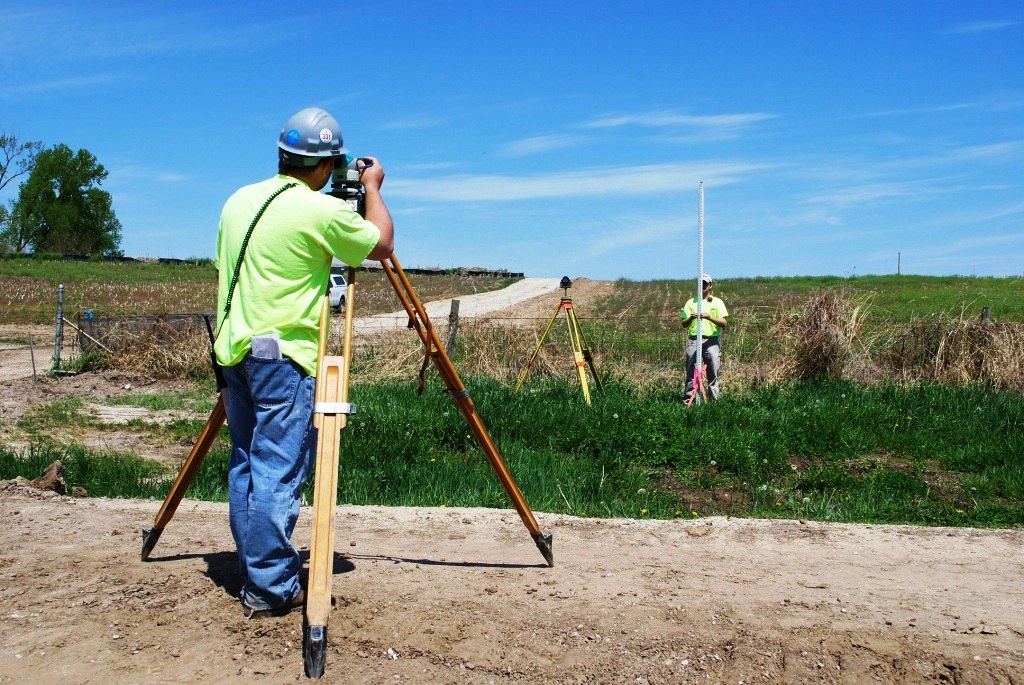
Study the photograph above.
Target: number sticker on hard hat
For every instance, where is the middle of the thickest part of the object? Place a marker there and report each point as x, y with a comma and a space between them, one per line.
326, 135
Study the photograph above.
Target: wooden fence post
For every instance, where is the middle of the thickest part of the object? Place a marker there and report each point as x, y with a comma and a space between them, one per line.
32, 355
453, 329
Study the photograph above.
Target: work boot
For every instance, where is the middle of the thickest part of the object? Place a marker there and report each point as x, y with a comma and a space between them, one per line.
296, 602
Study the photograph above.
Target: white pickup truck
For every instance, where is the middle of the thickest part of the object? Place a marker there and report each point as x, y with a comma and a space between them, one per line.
337, 290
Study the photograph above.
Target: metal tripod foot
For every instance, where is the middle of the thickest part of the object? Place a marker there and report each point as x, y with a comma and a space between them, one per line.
544, 545
314, 651
149, 539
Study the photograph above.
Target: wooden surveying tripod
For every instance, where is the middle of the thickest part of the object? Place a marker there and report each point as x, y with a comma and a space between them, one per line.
580, 349
330, 416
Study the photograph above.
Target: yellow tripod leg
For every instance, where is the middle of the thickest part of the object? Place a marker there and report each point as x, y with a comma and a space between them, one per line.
585, 348
331, 411
577, 350
540, 343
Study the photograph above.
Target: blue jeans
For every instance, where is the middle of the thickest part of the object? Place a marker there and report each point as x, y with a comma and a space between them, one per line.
270, 417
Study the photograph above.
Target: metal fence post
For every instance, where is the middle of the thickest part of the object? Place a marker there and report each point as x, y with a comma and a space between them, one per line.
59, 330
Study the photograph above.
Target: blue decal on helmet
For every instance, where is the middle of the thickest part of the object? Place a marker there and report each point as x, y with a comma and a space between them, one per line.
293, 137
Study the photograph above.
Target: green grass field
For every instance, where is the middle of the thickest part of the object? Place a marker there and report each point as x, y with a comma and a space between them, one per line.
830, 451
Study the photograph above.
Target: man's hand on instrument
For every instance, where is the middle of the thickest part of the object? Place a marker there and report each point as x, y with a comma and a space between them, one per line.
371, 172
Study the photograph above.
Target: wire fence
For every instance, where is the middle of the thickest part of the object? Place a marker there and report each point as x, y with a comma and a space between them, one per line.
759, 346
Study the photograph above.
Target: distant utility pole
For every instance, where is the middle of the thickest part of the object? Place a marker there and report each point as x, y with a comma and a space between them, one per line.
899, 257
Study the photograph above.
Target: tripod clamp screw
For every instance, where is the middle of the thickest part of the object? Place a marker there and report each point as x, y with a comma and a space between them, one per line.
334, 408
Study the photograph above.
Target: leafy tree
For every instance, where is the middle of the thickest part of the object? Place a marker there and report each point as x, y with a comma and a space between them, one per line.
60, 207
16, 159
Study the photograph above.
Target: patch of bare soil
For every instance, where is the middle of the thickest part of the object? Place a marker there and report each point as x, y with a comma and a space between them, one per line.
19, 395
463, 596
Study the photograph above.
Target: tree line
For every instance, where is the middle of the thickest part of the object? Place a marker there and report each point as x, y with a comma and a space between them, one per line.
59, 206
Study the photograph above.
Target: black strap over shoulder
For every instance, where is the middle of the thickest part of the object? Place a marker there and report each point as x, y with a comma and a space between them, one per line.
245, 244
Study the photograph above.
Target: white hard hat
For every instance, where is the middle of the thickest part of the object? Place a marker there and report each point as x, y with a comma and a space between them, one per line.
706, 279
309, 135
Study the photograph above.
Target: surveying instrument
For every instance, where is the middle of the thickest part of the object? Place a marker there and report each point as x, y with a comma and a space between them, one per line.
330, 416
580, 349
699, 392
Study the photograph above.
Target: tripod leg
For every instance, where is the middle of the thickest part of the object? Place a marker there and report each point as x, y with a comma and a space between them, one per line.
586, 352
540, 343
332, 408
418, 315
188, 472
321, 551
577, 350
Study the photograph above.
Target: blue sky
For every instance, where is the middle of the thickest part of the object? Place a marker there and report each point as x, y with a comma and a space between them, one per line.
561, 137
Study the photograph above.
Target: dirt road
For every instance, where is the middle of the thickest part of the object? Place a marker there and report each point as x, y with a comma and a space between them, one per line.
479, 304
18, 359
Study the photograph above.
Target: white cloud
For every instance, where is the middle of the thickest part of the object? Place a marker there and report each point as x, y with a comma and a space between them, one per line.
134, 172
60, 85
874, 192
629, 234
686, 128
979, 26
666, 119
851, 180
993, 150
981, 215
427, 166
917, 110
105, 31
595, 182
411, 123
539, 144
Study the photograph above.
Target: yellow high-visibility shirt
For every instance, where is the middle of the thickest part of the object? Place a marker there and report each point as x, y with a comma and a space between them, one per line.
713, 306
287, 265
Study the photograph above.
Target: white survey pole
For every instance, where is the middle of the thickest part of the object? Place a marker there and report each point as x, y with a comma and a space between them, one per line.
699, 359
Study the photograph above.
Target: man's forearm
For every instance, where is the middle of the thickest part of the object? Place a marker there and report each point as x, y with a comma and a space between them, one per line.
377, 213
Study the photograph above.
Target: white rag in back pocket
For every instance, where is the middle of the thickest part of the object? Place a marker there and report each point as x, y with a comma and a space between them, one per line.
266, 346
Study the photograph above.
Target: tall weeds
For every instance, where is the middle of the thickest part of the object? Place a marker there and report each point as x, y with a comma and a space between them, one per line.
828, 337
959, 351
